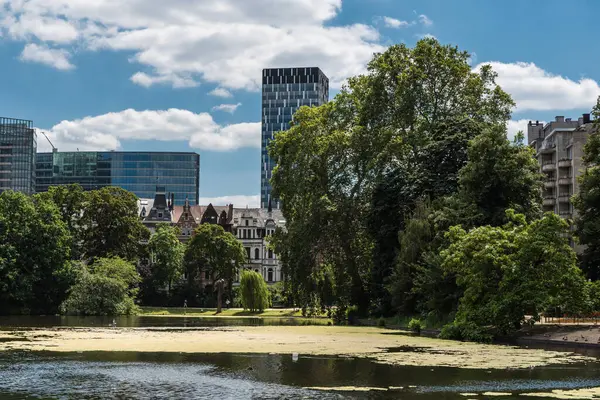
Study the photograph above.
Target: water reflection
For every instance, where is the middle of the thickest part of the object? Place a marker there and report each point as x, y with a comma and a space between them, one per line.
103, 375
143, 321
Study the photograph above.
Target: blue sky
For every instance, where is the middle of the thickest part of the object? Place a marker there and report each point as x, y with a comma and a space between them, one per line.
184, 75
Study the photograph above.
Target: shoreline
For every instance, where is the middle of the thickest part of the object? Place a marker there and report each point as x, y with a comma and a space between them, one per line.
382, 346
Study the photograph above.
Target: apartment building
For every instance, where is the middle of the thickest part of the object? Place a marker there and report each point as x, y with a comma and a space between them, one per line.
559, 149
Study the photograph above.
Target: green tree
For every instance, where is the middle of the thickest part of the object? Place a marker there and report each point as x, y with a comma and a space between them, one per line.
511, 271
34, 252
107, 287
253, 291
587, 203
166, 255
111, 225
214, 251
500, 175
70, 200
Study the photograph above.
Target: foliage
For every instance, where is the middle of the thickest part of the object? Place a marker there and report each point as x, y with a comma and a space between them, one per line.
253, 291
381, 322
105, 288
111, 225
166, 256
587, 203
277, 294
434, 103
213, 250
415, 325
511, 271
35, 247
70, 201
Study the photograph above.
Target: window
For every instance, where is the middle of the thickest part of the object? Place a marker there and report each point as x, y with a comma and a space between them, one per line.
281, 275
247, 251
270, 253
256, 254
246, 222
159, 215
244, 233
270, 275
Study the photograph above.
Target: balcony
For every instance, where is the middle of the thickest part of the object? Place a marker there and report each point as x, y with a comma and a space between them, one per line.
564, 162
549, 200
565, 214
548, 148
564, 198
550, 183
548, 167
566, 180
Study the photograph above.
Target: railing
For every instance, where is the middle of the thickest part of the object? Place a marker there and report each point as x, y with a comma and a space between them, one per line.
548, 166
565, 180
564, 162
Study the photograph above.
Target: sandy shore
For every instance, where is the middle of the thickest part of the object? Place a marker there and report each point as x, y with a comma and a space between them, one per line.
305, 340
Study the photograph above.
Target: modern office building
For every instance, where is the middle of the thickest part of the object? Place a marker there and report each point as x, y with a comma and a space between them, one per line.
284, 90
559, 148
138, 172
18, 144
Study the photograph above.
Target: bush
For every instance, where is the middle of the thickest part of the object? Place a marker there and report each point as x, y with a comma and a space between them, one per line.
415, 325
254, 292
105, 288
353, 315
381, 322
340, 315
466, 331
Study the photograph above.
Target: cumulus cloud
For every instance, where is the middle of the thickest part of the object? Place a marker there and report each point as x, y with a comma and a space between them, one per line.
238, 201
183, 43
220, 92
107, 131
56, 58
230, 108
533, 88
514, 126
395, 23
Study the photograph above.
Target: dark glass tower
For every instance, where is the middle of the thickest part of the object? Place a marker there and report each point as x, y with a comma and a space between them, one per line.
284, 90
137, 172
17, 155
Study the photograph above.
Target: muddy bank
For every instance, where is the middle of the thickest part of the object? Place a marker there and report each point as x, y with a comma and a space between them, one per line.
383, 346
584, 337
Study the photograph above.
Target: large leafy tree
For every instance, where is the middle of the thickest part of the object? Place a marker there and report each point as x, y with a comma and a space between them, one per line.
70, 200
166, 253
587, 203
111, 225
510, 271
214, 251
433, 103
35, 248
253, 291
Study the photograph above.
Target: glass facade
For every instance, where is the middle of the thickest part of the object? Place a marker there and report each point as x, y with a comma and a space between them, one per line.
17, 155
284, 90
138, 172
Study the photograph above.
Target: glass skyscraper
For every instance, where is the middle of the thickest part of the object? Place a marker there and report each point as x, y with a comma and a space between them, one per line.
284, 90
137, 172
17, 155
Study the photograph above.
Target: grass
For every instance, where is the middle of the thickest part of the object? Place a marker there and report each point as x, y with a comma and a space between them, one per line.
226, 312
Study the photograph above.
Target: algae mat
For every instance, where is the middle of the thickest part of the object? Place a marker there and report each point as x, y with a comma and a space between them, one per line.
383, 346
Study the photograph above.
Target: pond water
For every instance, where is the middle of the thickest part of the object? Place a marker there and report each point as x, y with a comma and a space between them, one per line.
128, 375
146, 321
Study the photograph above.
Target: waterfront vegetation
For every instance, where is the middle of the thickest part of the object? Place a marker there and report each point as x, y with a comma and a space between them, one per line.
404, 201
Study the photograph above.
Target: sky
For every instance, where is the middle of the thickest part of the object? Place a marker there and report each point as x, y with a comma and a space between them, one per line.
184, 75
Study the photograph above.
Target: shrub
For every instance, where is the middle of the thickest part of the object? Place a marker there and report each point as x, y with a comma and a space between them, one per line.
415, 325
353, 315
466, 331
254, 292
381, 322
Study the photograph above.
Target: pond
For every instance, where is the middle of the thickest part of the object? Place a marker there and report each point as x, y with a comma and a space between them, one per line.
161, 375
146, 321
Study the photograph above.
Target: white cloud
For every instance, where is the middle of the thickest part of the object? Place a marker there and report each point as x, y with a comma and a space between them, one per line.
533, 88
183, 43
238, 201
230, 108
56, 58
514, 126
220, 92
424, 19
395, 23
105, 132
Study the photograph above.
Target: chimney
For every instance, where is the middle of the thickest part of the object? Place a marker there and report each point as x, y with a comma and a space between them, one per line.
230, 214
537, 122
580, 121
568, 119
529, 123
560, 118
586, 118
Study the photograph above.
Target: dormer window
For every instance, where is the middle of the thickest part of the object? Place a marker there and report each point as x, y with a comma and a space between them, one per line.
160, 215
